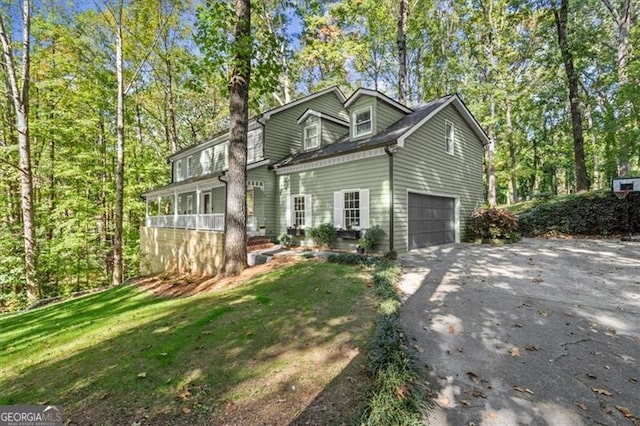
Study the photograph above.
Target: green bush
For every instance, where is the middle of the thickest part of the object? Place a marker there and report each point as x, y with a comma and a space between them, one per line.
490, 225
372, 238
593, 213
285, 240
348, 258
324, 235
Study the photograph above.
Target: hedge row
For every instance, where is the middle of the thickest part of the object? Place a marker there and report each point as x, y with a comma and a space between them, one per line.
595, 213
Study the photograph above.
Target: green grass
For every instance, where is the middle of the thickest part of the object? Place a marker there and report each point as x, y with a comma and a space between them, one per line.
89, 354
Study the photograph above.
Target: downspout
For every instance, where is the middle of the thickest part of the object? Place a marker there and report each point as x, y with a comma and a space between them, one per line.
220, 179
390, 151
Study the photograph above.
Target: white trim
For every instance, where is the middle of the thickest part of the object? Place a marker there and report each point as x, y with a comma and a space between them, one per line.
433, 194
453, 137
317, 136
354, 124
189, 172
362, 91
189, 207
461, 108
331, 161
322, 116
179, 171
335, 89
361, 210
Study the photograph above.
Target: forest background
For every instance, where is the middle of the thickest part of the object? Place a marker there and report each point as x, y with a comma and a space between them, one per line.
508, 60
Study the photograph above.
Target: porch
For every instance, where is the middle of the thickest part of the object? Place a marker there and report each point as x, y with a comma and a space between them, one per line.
198, 222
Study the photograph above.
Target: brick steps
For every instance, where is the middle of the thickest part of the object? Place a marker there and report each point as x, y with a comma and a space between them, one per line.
259, 243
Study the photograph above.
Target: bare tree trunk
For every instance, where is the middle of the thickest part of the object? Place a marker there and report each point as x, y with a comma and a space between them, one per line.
117, 236
582, 181
20, 97
402, 50
490, 151
235, 242
512, 152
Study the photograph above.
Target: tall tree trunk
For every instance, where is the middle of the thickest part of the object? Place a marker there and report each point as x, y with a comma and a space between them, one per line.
117, 235
402, 50
235, 241
490, 151
20, 95
512, 152
582, 181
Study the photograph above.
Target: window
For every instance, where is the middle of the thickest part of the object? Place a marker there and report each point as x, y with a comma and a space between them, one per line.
189, 166
206, 161
298, 211
179, 204
362, 122
254, 146
449, 134
311, 136
179, 175
351, 209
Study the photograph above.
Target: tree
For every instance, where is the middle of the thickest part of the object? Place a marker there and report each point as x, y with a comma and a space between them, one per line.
582, 181
402, 50
235, 243
19, 90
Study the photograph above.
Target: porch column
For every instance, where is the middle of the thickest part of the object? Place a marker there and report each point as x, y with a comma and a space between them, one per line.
175, 208
198, 224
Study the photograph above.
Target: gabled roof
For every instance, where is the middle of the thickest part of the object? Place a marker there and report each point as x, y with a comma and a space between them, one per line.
261, 118
322, 115
395, 133
368, 92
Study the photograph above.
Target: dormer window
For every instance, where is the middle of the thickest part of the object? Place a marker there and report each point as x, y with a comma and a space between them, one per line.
362, 122
311, 134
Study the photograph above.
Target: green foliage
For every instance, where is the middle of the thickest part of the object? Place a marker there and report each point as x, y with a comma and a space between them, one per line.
348, 258
592, 213
285, 240
399, 397
324, 235
371, 238
492, 225
391, 255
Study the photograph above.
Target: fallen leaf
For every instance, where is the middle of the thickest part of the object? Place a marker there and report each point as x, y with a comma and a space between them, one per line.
582, 406
478, 393
465, 402
452, 329
184, 395
514, 351
186, 410
537, 279
443, 402
473, 376
523, 390
625, 411
142, 375
543, 312
517, 325
601, 391
402, 391
592, 376
532, 348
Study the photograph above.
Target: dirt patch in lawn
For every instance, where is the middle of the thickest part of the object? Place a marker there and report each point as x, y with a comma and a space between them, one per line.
185, 285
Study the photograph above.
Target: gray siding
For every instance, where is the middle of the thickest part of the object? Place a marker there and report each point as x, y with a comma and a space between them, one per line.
321, 183
268, 197
386, 115
331, 132
218, 199
283, 136
423, 165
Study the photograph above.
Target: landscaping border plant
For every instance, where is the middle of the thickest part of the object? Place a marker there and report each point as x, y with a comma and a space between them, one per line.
398, 397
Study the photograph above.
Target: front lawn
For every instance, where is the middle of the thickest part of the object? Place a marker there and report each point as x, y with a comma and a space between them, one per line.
284, 347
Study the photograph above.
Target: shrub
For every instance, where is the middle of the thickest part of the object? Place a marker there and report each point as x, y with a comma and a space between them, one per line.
348, 258
371, 238
593, 213
489, 225
391, 255
324, 235
285, 240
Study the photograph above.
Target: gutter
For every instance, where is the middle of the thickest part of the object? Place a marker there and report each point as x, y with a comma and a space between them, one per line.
389, 150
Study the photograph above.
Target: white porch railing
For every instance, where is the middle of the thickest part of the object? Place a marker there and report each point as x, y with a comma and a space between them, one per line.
210, 222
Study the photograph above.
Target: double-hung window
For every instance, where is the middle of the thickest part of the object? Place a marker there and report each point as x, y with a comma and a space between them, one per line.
206, 160
362, 122
298, 211
449, 137
311, 136
351, 209
254, 146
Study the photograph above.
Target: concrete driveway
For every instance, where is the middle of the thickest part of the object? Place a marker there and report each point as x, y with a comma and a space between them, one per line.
543, 332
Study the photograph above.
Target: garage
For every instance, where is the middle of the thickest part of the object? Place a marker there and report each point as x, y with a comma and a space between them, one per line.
432, 220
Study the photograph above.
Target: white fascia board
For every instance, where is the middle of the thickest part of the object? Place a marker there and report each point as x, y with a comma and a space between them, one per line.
362, 91
464, 112
322, 116
265, 116
330, 161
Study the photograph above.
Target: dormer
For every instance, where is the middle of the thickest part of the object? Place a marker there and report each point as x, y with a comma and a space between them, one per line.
320, 129
370, 112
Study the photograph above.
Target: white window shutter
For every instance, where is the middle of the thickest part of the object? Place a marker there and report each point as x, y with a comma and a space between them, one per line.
308, 211
364, 209
288, 211
338, 217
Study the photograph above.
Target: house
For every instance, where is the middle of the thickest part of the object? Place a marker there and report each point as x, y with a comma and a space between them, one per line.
354, 162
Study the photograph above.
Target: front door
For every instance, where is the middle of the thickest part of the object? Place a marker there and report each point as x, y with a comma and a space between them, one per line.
251, 212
